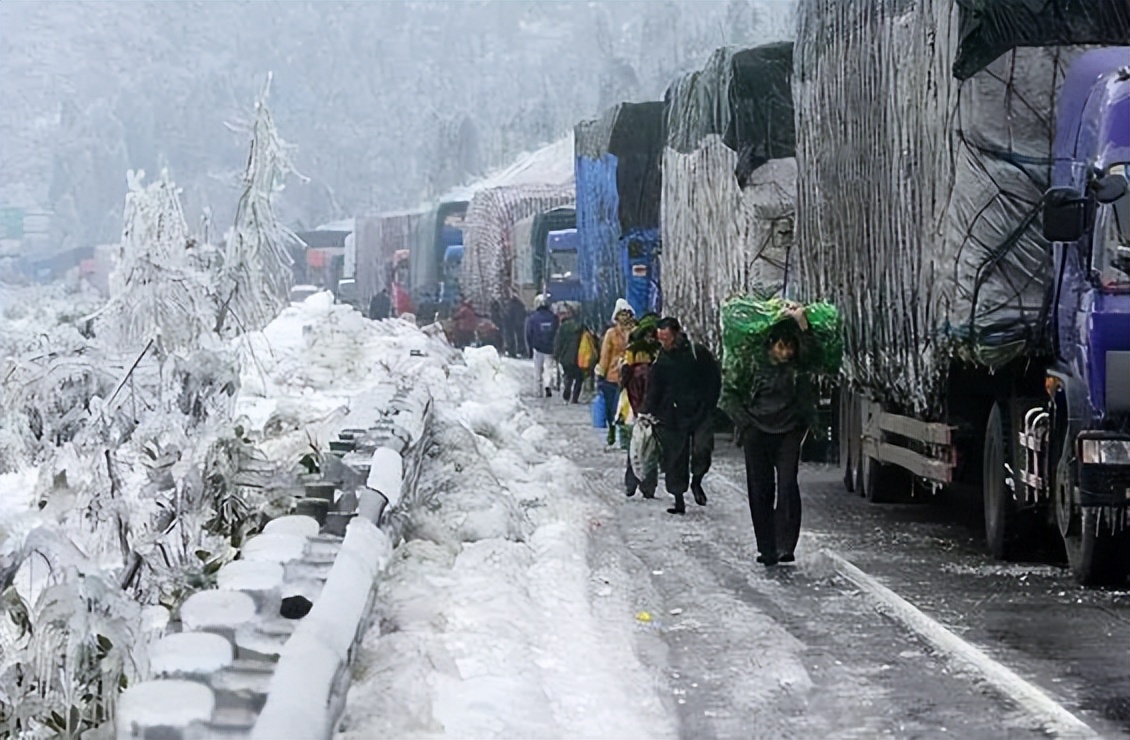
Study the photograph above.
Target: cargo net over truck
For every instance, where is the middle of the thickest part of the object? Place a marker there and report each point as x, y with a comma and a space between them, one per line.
924, 136
730, 183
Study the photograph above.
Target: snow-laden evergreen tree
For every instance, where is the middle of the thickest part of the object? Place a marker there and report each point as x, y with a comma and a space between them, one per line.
255, 271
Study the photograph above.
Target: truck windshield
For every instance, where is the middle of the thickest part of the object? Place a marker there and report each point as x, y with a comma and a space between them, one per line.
1112, 246
562, 265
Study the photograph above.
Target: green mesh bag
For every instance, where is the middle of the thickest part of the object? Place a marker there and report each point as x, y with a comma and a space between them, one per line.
746, 322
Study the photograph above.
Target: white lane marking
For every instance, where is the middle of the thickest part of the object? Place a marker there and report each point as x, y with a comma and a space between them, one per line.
1028, 696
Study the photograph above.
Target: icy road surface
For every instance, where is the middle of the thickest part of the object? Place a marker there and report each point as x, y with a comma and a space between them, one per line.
531, 598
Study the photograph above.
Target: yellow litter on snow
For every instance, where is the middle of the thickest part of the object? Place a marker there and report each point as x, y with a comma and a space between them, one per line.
643, 616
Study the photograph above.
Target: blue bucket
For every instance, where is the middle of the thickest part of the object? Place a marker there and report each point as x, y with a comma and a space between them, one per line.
598, 420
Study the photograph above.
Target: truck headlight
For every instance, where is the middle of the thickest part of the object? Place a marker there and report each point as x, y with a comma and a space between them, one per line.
1105, 451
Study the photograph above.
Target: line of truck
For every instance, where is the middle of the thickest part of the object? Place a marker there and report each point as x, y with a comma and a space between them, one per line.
951, 173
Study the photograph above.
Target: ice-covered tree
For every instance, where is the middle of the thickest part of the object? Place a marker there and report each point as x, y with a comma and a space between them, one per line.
158, 295
255, 270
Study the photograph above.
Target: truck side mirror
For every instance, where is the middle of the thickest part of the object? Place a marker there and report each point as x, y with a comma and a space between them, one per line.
1065, 215
1109, 189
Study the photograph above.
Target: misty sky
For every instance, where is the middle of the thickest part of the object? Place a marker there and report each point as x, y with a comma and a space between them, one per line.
387, 103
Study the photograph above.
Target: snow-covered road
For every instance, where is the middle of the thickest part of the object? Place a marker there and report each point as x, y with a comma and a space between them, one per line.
531, 598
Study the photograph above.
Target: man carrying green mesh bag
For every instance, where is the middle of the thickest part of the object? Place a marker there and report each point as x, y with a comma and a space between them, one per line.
771, 350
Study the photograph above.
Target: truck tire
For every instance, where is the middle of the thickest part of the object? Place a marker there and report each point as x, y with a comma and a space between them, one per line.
883, 483
1095, 554
1001, 523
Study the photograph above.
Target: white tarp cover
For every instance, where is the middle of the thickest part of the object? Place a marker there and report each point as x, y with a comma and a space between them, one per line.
720, 239
551, 165
489, 271
918, 193
535, 183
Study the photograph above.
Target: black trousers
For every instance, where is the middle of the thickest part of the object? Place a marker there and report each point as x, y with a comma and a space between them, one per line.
771, 465
574, 379
683, 449
514, 341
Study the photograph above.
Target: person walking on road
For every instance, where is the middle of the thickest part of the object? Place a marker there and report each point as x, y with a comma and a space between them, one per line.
770, 425
541, 331
513, 317
565, 347
612, 348
643, 347
380, 307
682, 392
464, 321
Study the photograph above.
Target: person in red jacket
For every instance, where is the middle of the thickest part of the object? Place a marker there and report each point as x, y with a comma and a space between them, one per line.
643, 347
465, 322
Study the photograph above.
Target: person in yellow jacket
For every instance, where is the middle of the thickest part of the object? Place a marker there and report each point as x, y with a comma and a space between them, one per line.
611, 357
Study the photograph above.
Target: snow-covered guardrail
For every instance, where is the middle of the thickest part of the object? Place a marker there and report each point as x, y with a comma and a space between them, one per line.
267, 653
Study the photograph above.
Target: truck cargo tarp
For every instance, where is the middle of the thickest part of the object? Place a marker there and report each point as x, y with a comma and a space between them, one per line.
551, 165
728, 209
918, 193
989, 28
743, 95
618, 193
488, 272
721, 239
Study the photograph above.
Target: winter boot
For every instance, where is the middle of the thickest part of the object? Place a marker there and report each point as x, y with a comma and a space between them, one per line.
767, 560
548, 393
699, 494
611, 435
680, 506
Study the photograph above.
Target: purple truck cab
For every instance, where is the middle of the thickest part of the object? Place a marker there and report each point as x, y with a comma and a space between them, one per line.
1087, 216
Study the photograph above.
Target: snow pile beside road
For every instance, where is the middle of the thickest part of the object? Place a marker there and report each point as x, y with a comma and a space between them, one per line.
320, 367
318, 345
488, 624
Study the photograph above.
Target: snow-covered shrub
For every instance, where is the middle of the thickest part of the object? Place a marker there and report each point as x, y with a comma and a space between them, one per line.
141, 463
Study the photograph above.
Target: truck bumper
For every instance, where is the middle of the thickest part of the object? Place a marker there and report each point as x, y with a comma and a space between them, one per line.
1103, 469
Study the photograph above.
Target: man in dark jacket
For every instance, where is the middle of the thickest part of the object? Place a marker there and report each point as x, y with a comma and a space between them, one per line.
770, 424
513, 318
380, 307
682, 393
541, 330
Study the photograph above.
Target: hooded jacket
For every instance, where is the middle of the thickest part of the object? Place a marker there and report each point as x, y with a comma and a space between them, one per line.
614, 344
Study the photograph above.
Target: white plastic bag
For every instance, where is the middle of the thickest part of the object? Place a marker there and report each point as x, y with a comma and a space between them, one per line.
643, 451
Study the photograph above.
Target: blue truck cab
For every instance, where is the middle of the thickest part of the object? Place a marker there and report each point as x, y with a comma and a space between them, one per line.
452, 267
563, 277
1083, 433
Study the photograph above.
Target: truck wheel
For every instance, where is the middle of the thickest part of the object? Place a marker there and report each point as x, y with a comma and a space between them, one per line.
883, 483
1095, 553
1000, 508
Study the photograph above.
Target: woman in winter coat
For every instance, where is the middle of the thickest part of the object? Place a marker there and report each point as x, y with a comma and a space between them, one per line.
611, 356
565, 347
642, 348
